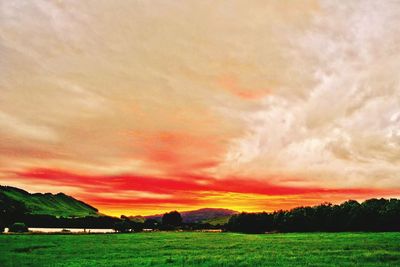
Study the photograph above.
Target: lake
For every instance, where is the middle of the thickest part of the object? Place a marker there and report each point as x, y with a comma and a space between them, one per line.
72, 230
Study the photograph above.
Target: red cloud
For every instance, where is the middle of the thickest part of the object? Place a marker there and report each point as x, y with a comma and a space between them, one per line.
184, 183
133, 202
176, 150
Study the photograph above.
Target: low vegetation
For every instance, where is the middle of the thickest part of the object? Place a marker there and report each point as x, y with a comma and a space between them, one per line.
201, 249
18, 227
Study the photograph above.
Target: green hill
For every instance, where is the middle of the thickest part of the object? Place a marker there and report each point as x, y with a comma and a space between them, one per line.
218, 220
59, 205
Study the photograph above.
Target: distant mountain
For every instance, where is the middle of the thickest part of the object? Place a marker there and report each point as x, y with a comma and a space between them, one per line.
61, 205
210, 215
49, 204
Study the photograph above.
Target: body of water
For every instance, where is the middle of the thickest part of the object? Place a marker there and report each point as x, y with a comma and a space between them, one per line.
72, 230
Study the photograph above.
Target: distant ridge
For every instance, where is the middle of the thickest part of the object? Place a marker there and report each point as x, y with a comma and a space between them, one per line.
59, 205
62, 205
201, 215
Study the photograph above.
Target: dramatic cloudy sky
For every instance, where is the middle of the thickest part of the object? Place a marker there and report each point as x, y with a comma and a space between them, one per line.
141, 106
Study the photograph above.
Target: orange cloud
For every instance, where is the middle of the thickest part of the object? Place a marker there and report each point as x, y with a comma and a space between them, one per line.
233, 85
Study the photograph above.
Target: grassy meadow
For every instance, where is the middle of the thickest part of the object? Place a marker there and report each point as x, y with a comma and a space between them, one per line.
201, 249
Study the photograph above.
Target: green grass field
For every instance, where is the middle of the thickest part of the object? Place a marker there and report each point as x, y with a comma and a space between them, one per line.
201, 249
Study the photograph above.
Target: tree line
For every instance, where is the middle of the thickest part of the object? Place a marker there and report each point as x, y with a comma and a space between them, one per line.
170, 221
370, 215
15, 217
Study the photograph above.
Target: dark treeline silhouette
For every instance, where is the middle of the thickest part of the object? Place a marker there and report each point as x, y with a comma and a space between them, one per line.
18, 228
48, 221
127, 226
370, 215
10, 211
171, 220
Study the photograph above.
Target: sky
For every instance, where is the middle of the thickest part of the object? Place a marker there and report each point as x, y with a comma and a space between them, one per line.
141, 107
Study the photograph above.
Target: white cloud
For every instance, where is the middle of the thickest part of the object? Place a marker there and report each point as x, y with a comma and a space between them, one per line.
23, 129
345, 126
90, 75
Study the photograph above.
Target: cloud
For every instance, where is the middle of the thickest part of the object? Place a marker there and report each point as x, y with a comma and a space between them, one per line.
152, 192
233, 86
12, 125
341, 130
298, 97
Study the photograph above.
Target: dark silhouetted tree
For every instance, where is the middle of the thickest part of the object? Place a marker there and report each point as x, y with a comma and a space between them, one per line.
122, 227
11, 210
171, 219
151, 224
251, 223
137, 226
18, 227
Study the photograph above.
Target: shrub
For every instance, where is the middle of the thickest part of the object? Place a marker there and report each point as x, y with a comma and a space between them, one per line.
18, 227
2, 226
122, 227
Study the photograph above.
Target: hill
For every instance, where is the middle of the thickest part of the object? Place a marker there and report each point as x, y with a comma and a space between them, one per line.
59, 205
201, 215
218, 221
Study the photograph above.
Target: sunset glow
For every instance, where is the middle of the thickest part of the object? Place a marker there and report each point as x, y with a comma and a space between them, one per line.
142, 107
